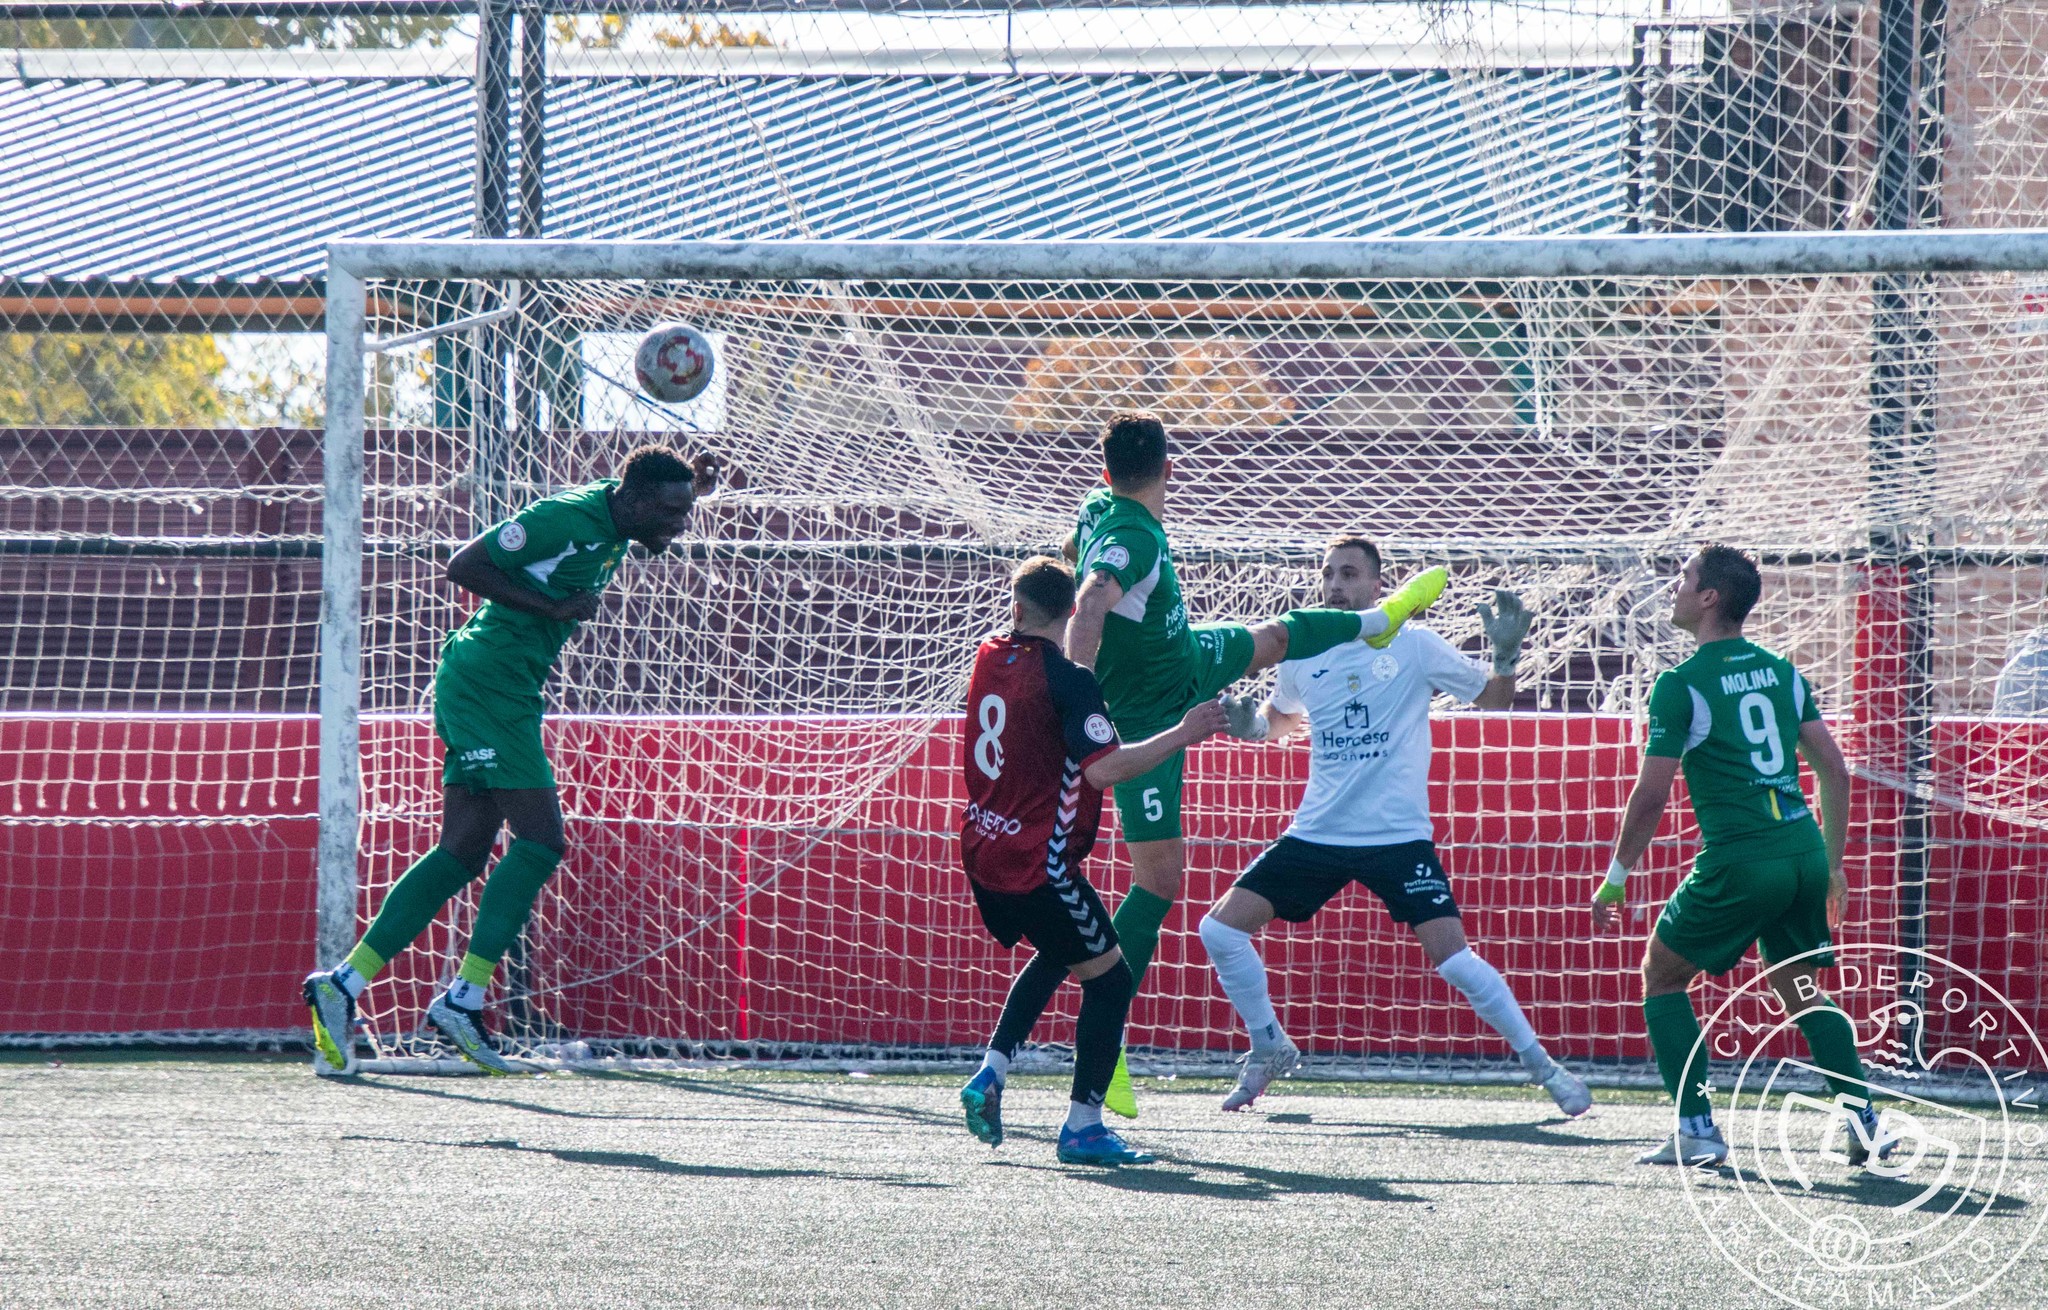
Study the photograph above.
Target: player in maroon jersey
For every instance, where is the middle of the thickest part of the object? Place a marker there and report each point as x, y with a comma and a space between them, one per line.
1037, 752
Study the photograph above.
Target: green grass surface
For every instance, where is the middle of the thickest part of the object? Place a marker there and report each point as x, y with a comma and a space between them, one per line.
150, 1181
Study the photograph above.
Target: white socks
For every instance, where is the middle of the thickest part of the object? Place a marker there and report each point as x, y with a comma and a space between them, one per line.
1492, 1000
998, 1063
465, 995
1697, 1125
1081, 1116
1243, 975
346, 978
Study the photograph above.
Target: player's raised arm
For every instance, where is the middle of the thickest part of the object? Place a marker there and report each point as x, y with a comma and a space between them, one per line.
1098, 596
473, 570
1506, 625
1831, 775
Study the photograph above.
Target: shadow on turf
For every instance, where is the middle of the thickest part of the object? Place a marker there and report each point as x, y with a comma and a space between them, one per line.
1874, 1190
1175, 1174
653, 1164
442, 1093
1519, 1134
1239, 1183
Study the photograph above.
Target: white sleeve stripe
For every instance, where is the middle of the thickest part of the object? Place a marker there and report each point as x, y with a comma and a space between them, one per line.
1702, 719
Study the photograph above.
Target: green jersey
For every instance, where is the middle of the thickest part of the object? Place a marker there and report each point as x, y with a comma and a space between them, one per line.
558, 547
1732, 713
1148, 656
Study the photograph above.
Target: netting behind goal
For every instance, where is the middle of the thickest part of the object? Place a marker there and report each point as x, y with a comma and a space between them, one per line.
758, 737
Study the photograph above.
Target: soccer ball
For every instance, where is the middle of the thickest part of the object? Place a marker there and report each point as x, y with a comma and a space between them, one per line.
673, 363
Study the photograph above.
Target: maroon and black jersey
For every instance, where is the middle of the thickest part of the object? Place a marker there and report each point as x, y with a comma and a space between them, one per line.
1035, 720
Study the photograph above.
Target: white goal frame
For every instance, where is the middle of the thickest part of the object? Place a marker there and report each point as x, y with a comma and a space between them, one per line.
352, 264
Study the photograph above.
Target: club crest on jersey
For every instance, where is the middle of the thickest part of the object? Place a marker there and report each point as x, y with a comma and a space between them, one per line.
512, 537
1385, 667
1352, 683
1098, 729
1116, 557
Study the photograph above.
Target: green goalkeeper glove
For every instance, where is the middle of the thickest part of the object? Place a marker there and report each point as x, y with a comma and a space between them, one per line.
1505, 623
1418, 593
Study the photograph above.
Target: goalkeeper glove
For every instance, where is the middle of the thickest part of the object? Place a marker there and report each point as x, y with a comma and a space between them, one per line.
1505, 623
1418, 593
1245, 721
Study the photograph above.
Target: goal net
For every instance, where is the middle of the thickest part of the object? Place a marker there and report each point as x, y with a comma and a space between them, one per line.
758, 738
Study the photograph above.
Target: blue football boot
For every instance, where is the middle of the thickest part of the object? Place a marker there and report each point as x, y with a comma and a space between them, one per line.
1096, 1144
982, 1099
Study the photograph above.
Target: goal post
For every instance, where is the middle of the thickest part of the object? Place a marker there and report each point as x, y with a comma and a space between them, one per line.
756, 739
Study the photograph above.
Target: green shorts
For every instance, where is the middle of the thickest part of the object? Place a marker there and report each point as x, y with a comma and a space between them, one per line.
1148, 806
492, 735
1780, 902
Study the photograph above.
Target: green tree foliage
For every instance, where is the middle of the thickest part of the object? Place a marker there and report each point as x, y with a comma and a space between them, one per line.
308, 32
110, 379
609, 32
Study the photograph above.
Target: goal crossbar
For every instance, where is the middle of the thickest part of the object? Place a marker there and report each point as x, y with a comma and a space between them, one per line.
1464, 258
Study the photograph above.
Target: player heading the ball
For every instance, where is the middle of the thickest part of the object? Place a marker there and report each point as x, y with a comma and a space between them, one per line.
1733, 716
1131, 627
541, 574
1364, 816
1037, 750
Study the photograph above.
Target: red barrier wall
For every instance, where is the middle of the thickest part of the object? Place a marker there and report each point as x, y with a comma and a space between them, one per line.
865, 934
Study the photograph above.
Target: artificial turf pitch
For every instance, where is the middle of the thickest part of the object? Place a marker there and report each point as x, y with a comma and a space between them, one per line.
182, 1182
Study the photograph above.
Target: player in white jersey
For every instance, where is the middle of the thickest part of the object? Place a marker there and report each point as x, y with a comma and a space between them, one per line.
1364, 816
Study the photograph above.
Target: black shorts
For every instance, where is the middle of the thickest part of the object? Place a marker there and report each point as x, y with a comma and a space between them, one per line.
1300, 877
1064, 920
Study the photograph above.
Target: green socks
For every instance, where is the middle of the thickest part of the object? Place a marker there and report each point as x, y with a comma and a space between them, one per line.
366, 963
1311, 632
508, 898
408, 908
1674, 1031
1833, 1043
433, 881
1137, 921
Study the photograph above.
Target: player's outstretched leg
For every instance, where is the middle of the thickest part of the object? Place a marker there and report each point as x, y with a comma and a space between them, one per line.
1418, 593
1098, 1039
1243, 975
1311, 632
1494, 1001
1030, 993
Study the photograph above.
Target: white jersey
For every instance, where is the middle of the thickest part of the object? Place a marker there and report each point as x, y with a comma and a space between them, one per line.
1368, 727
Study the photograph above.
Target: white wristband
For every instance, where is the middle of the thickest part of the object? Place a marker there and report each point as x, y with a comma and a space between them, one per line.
1617, 873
